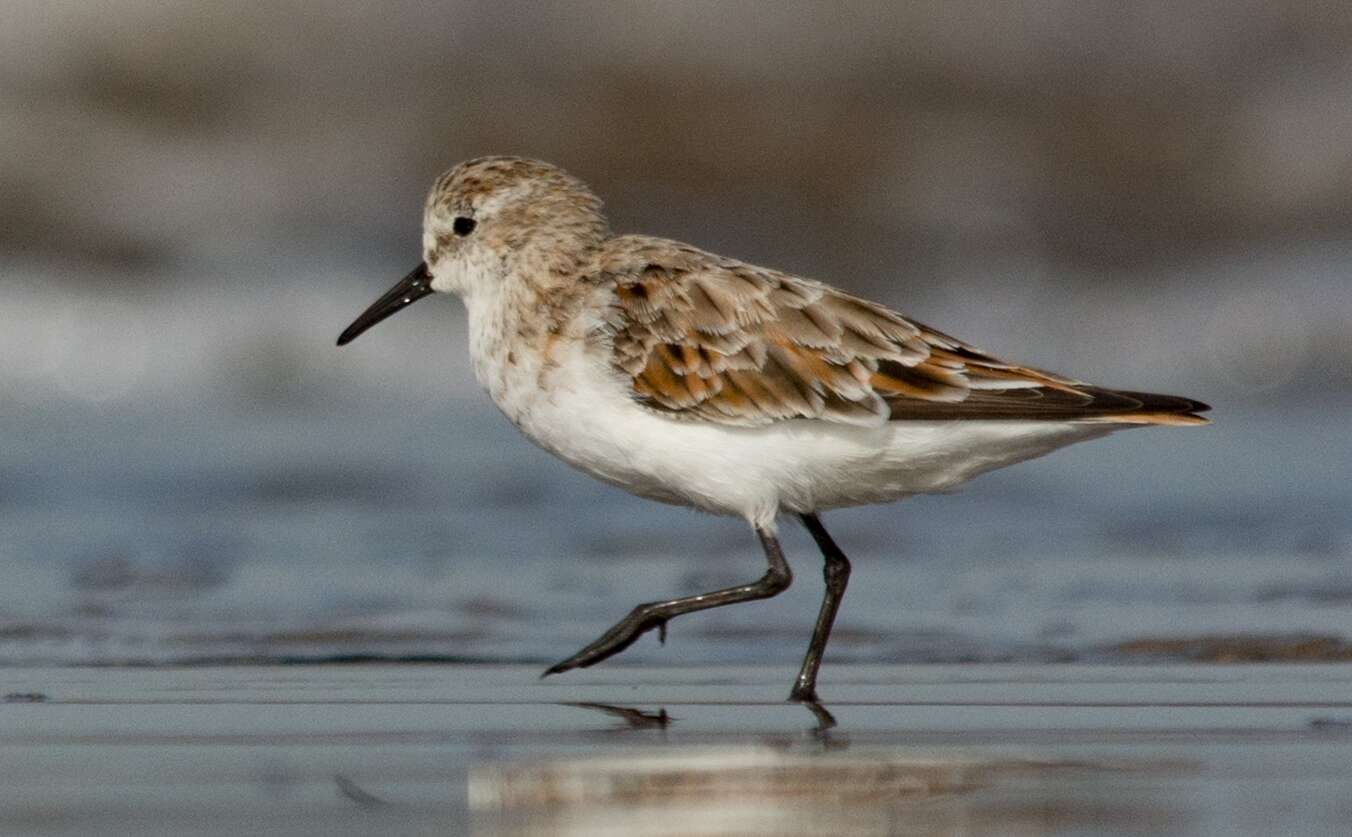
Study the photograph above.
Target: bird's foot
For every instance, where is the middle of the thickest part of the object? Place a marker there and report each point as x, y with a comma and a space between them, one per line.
623, 634
825, 720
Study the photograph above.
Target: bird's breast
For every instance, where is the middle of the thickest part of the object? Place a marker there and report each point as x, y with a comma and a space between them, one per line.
528, 357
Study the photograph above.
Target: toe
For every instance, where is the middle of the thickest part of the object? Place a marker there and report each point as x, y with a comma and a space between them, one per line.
561, 667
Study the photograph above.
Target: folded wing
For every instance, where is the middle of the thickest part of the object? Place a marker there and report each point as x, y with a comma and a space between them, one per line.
705, 337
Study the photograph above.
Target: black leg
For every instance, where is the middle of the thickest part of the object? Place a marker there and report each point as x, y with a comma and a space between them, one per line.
651, 615
837, 573
825, 720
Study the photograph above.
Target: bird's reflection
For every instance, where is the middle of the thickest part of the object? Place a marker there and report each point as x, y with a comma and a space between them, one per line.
636, 718
772, 769
632, 717
760, 788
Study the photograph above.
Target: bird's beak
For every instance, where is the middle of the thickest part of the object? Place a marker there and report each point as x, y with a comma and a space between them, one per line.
413, 287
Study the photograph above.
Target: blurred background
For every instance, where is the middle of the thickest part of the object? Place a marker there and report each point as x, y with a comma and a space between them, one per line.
196, 199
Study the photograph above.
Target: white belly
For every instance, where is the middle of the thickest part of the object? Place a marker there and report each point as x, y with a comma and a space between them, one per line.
586, 418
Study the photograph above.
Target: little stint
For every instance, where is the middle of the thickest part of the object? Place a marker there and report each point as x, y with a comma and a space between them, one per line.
695, 379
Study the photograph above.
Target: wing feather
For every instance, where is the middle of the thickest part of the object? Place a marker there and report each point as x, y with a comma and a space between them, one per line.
699, 336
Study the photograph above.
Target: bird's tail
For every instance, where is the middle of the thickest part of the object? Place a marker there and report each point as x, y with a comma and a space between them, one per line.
1154, 409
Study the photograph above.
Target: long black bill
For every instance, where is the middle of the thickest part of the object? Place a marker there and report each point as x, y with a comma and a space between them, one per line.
413, 287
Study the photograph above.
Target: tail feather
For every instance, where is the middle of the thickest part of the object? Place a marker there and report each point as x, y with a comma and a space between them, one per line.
1081, 403
1155, 409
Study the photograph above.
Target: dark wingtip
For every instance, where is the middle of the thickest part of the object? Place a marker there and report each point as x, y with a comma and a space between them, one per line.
1154, 402
1153, 408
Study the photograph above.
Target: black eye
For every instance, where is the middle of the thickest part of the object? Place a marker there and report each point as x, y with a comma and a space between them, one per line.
463, 225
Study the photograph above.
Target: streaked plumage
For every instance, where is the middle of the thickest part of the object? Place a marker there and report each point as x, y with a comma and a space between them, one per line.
700, 380
719, 340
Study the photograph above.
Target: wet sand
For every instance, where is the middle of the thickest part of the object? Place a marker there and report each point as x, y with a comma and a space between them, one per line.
389, 749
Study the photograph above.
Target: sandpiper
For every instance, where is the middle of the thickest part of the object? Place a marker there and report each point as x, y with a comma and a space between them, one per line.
695, 379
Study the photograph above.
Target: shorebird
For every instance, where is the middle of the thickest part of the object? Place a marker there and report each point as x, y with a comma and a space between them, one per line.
695, 379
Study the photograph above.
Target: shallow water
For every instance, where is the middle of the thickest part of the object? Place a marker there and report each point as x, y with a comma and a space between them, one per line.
492, 750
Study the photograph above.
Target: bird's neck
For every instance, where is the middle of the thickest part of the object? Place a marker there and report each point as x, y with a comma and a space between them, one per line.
514, 324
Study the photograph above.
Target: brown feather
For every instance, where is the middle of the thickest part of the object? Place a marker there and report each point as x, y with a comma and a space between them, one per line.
705, 337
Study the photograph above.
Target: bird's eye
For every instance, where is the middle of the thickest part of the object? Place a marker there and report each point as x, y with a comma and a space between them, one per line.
463, 225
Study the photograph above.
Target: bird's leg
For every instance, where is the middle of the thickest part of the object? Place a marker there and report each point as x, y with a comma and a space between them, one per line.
837, 574
651, 615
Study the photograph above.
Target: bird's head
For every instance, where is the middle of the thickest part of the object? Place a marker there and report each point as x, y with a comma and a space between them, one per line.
491, 217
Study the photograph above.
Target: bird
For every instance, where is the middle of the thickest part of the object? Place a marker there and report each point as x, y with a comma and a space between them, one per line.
694, 379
